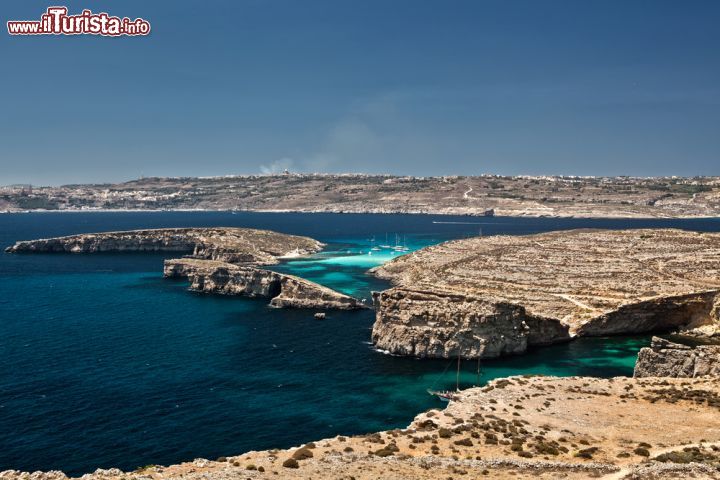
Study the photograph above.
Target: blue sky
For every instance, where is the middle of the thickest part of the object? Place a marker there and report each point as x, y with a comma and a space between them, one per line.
380, 86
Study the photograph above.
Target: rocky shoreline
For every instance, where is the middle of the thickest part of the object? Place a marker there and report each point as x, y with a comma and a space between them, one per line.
285, 291
219, 260
487, 297
516, 427
490, 296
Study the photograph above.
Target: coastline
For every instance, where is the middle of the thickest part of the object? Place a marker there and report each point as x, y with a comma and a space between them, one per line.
618, 216
357, 461
515, 427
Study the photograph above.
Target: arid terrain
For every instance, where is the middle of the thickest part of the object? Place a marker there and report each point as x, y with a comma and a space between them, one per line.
488, 296
552, 196
519, 427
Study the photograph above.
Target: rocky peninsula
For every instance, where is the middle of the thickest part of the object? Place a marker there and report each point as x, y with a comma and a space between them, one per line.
285, 291
490, 296
234, 245
513, 428
218, 260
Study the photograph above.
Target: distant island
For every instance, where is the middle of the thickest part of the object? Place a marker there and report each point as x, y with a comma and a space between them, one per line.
485, 195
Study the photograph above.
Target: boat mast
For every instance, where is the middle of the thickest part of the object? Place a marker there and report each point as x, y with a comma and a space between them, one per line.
457, 378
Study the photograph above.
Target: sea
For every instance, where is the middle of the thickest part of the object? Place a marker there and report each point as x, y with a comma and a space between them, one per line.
106, 364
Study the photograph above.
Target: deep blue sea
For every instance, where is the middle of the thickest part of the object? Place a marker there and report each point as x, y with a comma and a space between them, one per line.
106, 364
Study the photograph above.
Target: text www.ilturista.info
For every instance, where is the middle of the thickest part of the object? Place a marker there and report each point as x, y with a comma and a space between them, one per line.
56, 21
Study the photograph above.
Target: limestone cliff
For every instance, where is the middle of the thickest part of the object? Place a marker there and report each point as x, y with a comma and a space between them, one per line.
439, 324
493, 295
283, 290
667, 359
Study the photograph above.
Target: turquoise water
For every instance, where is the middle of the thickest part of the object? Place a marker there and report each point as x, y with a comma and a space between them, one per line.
106, 364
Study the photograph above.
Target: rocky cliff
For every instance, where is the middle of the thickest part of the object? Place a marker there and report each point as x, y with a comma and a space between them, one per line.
234, 245
667, 359
428, 323
283, 290
489, 296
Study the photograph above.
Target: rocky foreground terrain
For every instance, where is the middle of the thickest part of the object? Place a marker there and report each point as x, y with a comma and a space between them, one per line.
219, 260
489, 296
553, 196
518, 427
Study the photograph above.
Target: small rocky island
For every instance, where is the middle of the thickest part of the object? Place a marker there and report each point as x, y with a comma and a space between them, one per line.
489, 296
217, 260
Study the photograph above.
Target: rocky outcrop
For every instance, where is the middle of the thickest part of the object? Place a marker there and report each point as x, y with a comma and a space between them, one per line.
438, 324
221, 260
668, 359
287, 291
660, 314
233, 245
489, 296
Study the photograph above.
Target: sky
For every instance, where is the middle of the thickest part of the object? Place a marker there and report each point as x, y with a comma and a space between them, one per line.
410, 87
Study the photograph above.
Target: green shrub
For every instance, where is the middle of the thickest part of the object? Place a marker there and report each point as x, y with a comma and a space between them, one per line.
383, 452
643, 452
302, 454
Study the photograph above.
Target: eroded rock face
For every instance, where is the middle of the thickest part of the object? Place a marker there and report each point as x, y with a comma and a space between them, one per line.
434, 324
667, 359
233, 245
286, 291
496, 295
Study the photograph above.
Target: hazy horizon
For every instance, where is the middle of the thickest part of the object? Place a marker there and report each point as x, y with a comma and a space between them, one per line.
405, 88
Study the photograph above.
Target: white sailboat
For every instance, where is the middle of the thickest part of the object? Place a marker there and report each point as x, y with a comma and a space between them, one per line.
400, 247
448, 395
